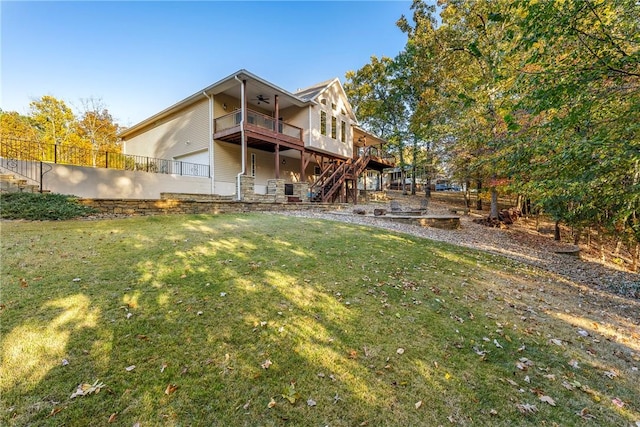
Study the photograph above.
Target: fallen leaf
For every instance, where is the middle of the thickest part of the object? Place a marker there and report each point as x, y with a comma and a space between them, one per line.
170, 388
353, 354
556, 341
526, 408
311, 402
573, 363
65, 362
55, 411
77, 279
266, 364
548, 400
418, 404
610, 374
112, 418
493, 412
585, 415
497, 343
246, 405
163, 367
583, 333
23, 283
130, 368
129, 315
619, 403
271, 404
86, 389
400, 350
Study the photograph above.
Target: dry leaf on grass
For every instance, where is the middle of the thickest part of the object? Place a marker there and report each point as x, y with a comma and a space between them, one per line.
271, 403
112, 418
266, 364
171, 388
418, 404
548, 400
526, 408
87, 389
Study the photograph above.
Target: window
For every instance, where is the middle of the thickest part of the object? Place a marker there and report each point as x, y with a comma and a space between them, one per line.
343, 131
317, 170
333, 106
334, 127
323, 101
323, 123
253, 165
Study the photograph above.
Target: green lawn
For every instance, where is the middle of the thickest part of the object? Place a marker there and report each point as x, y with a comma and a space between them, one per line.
265, 320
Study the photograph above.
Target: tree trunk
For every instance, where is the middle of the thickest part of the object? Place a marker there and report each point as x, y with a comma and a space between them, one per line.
413, 180
427, 188
556, 232
478, 199
577, 235
467, 194
494, 203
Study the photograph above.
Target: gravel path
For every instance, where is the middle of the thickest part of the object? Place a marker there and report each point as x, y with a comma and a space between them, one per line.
516, 243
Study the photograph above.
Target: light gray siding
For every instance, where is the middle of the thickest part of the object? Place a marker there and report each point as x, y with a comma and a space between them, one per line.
182, 133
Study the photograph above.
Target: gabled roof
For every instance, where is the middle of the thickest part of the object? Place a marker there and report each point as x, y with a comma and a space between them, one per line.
214, 89
312, 93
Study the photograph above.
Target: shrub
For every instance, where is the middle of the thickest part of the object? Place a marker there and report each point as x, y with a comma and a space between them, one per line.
37, 206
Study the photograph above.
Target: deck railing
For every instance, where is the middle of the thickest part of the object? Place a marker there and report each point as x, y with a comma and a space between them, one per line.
260, 120
78, 156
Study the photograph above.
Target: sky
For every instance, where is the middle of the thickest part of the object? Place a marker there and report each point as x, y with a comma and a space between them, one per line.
140, 57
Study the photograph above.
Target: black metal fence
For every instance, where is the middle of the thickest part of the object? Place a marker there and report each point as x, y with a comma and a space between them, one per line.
14, 149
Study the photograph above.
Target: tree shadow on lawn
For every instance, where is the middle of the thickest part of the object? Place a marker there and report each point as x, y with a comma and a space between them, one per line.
207, 309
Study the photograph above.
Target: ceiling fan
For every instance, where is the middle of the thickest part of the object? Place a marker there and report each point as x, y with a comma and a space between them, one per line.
261, 98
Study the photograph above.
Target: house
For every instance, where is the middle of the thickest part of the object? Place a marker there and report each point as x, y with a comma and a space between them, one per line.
262, 141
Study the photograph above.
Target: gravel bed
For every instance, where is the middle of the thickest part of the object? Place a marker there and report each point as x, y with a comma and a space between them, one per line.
513, 243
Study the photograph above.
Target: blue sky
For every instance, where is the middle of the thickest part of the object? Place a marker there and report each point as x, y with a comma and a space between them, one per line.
141, 57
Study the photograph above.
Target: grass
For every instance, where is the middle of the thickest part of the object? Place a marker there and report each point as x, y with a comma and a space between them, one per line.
359, 327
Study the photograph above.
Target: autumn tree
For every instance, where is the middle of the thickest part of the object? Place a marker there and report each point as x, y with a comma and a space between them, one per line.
96, 128
581, 77
377, 100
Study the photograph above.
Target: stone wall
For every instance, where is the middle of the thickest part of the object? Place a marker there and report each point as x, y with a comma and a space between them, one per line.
174, 206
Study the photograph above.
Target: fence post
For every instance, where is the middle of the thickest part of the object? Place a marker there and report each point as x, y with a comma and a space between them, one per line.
106, 160
147, 164
41, 176
55, 153
180, 167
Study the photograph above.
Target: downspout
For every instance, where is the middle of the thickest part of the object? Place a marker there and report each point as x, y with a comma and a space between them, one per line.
243, 142
211, 156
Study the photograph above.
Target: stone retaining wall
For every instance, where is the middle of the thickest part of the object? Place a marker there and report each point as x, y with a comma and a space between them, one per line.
174, 206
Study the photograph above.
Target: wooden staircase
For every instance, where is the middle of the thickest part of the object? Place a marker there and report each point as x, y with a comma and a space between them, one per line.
327, 187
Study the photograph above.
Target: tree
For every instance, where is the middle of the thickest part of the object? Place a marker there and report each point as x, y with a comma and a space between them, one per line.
581, 74
53, 119
96, 128
376, 97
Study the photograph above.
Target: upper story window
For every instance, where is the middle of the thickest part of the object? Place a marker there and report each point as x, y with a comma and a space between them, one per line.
343, 131
333, 106
323, 101
323, 123
334, 127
